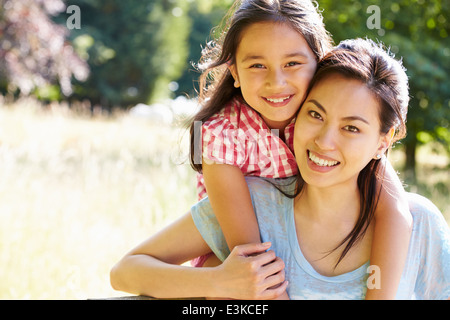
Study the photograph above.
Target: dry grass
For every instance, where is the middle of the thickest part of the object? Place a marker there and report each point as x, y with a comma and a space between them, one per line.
432, 175
76, 193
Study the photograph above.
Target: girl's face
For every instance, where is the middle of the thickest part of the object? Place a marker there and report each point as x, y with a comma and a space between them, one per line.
274, 65
337, 132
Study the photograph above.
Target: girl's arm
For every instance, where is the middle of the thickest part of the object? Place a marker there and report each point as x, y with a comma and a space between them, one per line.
231, 202
153, 268
393, 224
232, 205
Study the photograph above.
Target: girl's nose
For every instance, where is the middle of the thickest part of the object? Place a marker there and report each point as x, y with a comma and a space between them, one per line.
276, 79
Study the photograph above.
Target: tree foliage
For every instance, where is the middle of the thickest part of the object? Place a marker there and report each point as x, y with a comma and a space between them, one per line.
146, 50
205, 16
418, 32
134, 48
33, 49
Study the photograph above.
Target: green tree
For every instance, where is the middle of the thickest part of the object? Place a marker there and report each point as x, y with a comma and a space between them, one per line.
205, 15
415, 30
134, 49
418, 31
34, 53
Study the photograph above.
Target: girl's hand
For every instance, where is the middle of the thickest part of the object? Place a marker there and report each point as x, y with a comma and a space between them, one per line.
251, 272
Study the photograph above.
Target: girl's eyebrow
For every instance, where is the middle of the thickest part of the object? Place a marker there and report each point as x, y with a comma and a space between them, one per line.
252, 57
349, 118
290, 55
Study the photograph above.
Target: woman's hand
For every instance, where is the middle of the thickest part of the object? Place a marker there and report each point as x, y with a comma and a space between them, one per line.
251, 273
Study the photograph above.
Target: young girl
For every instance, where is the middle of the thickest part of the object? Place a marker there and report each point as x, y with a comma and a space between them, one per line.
260, 74
261, 71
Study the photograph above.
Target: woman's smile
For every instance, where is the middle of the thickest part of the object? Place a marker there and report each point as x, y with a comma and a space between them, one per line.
320, 163
337, 131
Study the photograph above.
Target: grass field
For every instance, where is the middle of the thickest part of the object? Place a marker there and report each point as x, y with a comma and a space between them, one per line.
76, 193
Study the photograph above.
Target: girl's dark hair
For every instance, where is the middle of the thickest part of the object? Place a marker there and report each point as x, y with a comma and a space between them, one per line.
216, 82
385, 77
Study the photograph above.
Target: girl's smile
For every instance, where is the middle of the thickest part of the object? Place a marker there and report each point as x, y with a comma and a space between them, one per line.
277, 102
274, 65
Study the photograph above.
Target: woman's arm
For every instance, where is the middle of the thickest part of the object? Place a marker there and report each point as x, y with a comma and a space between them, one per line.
153, 268
231, 202
393, 224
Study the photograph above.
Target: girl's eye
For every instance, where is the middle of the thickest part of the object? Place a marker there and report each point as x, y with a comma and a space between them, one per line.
315, 115
351, 129
293, 63
257, 66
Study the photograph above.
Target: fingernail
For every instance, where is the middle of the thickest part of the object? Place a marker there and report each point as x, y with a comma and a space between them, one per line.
266, 244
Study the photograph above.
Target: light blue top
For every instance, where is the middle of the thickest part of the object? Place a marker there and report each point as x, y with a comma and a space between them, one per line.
427, 269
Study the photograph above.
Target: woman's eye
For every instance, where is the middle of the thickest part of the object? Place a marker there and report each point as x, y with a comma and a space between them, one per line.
315, 115
257, 66
352, 129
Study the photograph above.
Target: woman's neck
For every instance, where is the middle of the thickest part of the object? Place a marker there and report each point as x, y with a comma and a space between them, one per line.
323, 219
334, 204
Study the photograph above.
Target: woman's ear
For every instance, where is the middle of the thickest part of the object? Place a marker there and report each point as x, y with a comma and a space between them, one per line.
385, 143
235, 75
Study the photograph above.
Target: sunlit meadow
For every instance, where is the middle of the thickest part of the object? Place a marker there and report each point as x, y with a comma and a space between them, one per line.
76, 193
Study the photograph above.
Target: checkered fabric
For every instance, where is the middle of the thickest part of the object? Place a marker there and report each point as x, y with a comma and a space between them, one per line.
239, 136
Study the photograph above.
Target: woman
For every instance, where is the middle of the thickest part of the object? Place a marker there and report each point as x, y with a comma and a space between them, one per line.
320, 224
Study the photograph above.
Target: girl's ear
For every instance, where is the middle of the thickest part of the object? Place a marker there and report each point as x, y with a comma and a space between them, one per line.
385, 143
235, 75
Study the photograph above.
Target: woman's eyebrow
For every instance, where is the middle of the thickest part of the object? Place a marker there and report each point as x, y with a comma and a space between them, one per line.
318, 105
356, 118
349, 118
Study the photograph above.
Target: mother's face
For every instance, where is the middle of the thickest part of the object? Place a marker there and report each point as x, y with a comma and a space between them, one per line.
337, 132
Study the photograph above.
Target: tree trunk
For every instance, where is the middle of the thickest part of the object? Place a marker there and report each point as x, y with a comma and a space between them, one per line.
410, 163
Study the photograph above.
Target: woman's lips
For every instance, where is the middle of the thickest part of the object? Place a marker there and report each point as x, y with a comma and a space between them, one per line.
321, 163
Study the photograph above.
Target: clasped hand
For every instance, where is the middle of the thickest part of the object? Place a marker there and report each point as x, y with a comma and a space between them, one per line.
251, 272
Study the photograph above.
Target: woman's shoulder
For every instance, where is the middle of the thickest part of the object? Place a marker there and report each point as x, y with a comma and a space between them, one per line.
426, 215
271, 191
285, 184
429, 254
421, 206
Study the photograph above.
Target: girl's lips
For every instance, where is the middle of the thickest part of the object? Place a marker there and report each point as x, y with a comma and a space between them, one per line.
278, 101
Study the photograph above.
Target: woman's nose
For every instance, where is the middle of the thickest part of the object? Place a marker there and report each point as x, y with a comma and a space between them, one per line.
325, 139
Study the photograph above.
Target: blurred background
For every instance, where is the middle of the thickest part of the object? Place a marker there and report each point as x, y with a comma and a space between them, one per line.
94, 95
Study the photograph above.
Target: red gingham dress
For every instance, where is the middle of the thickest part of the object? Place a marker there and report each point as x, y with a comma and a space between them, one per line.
238, 136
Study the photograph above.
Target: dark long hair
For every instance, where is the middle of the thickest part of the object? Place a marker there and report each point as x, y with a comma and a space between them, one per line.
385, 77
216, 82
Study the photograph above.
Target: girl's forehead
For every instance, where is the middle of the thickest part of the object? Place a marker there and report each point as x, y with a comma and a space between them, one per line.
267, 29
263, 38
